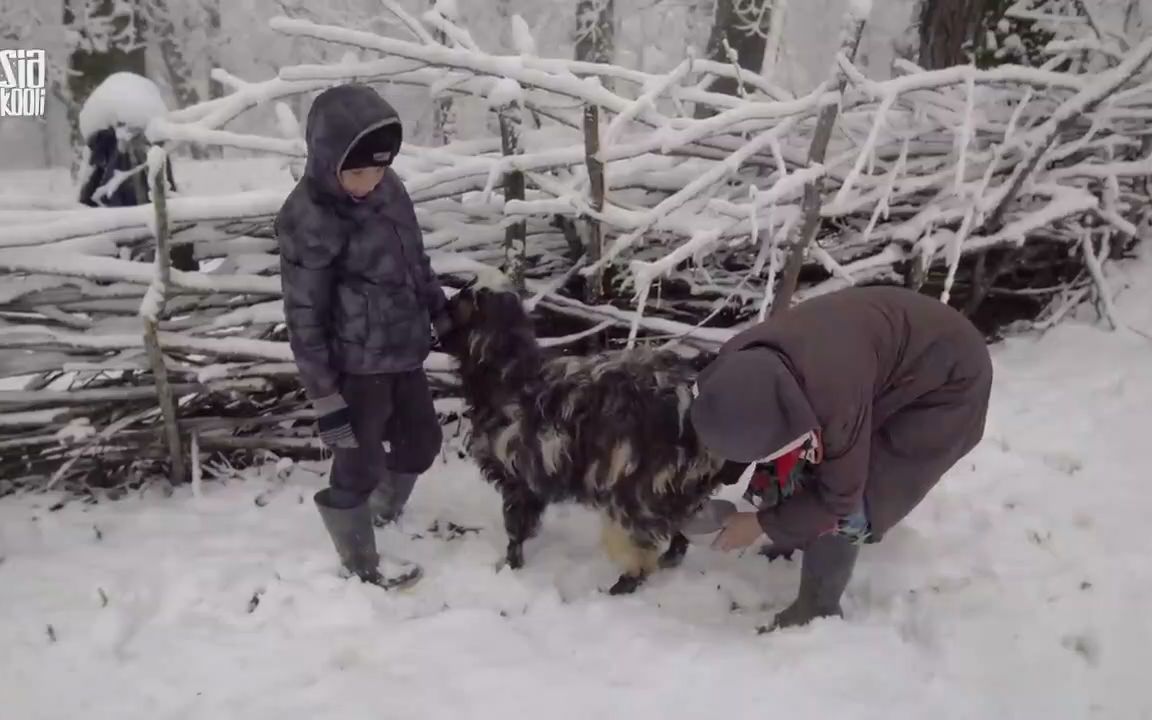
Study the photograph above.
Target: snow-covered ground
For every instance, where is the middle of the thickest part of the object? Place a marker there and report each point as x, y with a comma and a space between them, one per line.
1020, 589
193, 177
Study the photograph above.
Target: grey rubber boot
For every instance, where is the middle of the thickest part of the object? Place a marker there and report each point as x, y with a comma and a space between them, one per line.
824, 574
390, 497
355, 542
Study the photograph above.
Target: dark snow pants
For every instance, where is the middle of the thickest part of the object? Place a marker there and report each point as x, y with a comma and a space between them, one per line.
398, 432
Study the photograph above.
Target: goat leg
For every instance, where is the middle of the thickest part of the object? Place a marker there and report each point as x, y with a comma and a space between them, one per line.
674, 555
637, 553
522, 513
627, 584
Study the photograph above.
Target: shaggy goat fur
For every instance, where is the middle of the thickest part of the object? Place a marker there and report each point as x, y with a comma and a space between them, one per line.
609, 431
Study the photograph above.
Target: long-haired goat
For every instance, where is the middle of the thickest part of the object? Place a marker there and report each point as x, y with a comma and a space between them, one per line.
609, 431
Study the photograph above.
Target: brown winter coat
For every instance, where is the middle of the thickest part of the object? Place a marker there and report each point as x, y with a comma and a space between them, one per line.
898, 384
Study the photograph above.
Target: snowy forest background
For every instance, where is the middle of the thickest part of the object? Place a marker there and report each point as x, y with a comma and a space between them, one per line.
178, 42
657, 171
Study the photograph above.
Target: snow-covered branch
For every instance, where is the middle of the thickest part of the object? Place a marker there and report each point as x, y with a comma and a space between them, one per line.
636, 221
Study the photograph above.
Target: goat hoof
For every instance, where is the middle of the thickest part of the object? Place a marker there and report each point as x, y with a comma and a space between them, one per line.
626, 585
675, 553
515, 559
671, 560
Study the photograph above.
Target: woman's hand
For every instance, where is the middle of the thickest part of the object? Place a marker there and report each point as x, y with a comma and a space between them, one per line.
741, 529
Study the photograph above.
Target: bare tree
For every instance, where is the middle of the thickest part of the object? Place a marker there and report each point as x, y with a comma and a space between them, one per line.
1133, 18
986, 32
739, 36
595, 30
109, 38
442, 106
948, 29
212, 11
175, 29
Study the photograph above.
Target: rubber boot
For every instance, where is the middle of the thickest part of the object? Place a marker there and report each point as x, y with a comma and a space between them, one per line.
827, 567
351, 531
390, 497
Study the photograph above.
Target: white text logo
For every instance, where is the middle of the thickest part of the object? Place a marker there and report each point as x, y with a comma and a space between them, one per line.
23, 83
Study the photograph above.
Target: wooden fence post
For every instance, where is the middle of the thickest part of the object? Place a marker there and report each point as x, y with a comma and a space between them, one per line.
152, 309
595, 167
814, 189
516, 234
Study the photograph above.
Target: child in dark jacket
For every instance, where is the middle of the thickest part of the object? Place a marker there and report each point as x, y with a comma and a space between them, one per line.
360, 301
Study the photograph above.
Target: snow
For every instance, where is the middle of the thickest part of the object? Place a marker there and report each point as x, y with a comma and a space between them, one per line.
860, 9
153, 300
286, 119
30, 417
1018, 589
76, 431
523, 40
1013, 592
157, 156
448, 9
261, 313
247, 204
124, 98
30, 260
505, 91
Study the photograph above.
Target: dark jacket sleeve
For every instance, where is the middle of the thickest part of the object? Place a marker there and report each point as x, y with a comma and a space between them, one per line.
433, 291
307, 277
838, 490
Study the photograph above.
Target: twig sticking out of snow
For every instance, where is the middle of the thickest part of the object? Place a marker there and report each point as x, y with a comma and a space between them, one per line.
1103, 293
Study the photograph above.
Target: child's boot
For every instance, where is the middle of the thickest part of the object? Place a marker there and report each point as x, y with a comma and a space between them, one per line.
390, 497
355, 542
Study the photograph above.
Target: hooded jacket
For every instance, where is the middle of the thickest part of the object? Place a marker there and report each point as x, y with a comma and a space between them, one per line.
895, 385
359, 292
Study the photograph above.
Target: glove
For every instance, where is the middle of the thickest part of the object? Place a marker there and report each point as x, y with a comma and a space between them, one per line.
334, 422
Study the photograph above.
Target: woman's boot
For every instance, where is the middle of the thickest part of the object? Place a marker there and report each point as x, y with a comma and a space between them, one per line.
824, 574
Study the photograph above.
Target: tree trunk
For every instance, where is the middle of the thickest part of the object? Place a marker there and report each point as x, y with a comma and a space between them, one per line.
177, 67
595, 30
1133, 18
956, 32
107, 37
595, 165
115, 31
516, 234
949, 31
441, 106
740, 27
215, 34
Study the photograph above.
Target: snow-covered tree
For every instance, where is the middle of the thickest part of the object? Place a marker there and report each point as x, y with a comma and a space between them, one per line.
739, 36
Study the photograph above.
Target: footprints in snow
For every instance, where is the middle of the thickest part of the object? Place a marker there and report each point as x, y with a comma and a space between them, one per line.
1061, 462
1083, 644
